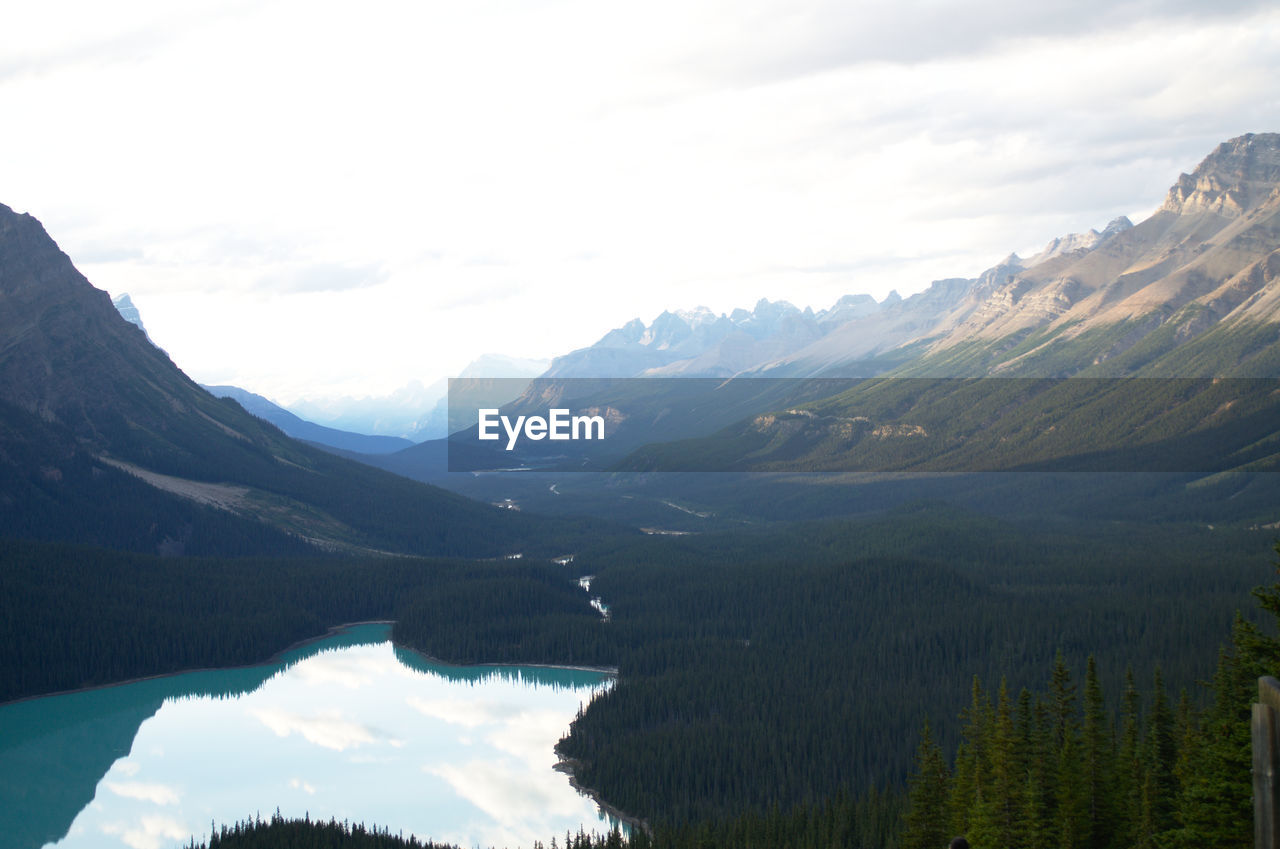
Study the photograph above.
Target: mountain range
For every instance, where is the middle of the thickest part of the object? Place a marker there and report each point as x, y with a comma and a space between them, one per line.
104, 440
1190, 291
91, 409
1197, 278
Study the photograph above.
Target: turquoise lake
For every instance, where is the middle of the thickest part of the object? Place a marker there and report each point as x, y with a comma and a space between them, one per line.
348, 727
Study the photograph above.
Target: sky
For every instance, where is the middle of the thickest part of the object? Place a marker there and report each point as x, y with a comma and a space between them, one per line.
311, 199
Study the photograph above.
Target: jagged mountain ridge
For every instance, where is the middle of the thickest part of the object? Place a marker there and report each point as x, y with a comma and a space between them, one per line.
1123, 300
1205, 261
1190, 293
699, 343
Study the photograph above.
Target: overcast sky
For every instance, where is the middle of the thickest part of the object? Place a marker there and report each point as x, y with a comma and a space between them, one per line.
312, 199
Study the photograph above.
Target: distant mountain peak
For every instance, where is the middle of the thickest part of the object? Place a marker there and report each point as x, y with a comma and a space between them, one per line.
1074, 242
1117, 225
1236, 177
125, 306
1070, 243
697, 316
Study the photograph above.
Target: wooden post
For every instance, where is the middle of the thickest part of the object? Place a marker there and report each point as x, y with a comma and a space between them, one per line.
1266, 765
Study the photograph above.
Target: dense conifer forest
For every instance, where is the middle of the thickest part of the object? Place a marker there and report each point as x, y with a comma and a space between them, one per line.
1066, 767
73, 617
768, 678
787, 668
1062, 767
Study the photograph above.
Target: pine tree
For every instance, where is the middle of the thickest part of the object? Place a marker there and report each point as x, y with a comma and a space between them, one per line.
1185, 771
1215, 802
1129, 770
1161, 756
1098, 760
1043, 776
972, 758
1008, 782
1062, 702
1071, 822
1032, 765
1145, 828
926, 823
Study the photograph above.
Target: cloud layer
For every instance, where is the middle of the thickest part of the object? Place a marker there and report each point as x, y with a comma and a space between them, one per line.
365, 199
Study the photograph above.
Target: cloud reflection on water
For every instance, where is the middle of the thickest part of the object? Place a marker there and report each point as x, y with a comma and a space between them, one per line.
157, 794
447, 753
327, 729
152, 832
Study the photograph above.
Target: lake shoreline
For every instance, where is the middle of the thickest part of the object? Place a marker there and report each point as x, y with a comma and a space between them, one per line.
274, 658
569, 767
336, 629
603, 670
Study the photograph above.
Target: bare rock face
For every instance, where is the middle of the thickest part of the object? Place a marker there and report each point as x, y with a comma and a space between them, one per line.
1238, 176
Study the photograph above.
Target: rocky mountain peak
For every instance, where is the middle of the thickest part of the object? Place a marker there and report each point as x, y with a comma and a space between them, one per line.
32, 267
1117, 225
1076, 242
667, 330
620, 337
129, 311
698, 316
1237, 176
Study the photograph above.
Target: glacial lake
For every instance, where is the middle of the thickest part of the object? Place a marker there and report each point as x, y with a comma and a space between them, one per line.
348, 727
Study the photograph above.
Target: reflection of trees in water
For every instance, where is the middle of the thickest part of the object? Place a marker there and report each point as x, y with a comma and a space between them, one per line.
557, 677
55, 750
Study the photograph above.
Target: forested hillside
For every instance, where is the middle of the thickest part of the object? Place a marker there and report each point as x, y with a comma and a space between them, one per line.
761, 669
758, 669
1069, 767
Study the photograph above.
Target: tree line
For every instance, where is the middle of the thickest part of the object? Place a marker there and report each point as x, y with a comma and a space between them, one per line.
1066, 768
75, 616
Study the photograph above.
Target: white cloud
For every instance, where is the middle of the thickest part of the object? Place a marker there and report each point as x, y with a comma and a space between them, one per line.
305, 787
365, 199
